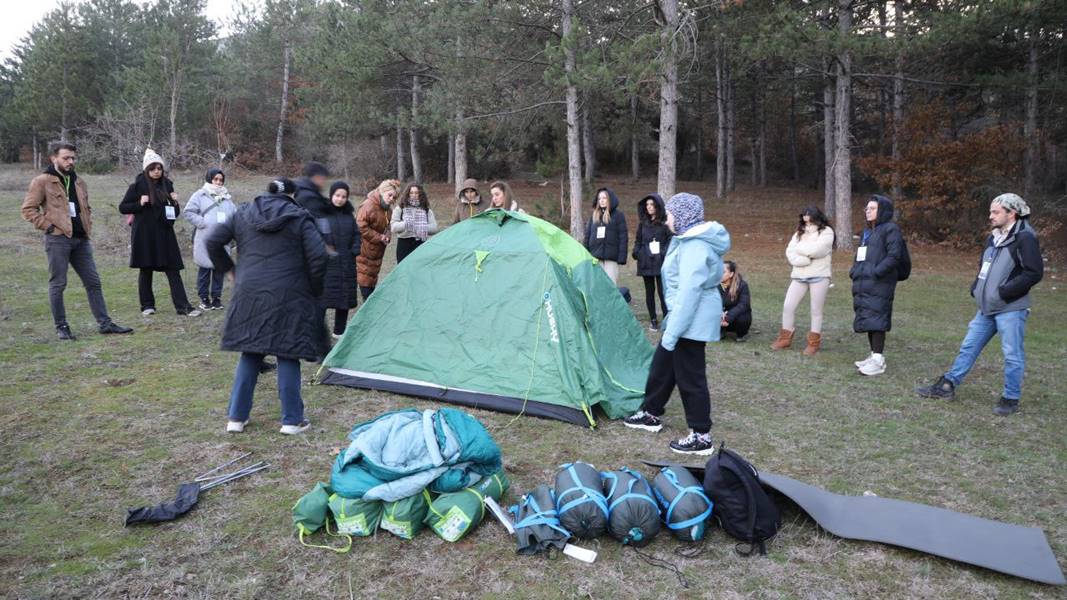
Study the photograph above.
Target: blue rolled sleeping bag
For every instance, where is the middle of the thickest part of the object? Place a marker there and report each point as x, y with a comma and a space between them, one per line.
633, 515
580, 501
686, 507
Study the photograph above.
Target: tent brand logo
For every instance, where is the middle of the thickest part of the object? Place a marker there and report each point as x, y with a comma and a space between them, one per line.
553, 329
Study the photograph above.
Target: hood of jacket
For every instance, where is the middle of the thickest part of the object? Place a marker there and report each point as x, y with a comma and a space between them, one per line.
271, 212
305, 184
613, 205
469, 184
661, 209
51, 170
709, 232
885, 209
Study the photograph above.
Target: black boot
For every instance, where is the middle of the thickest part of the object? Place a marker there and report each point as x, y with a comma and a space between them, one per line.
64, 333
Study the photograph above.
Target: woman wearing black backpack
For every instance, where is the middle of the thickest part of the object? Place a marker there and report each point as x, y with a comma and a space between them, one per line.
874, 277
650, 246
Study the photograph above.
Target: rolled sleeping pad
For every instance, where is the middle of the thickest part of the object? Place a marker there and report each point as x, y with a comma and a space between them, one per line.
403, 518
537, 527
355, 516
453, 515
686, 507
633, 515
580, 501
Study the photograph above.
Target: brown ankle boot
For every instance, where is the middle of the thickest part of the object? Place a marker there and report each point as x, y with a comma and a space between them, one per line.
814, 341
785, 340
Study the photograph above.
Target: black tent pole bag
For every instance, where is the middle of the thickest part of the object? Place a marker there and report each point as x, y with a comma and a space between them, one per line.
583, 511
742, 507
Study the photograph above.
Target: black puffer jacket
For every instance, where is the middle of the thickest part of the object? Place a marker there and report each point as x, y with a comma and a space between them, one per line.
274, 309
874, 280
616, 238
739, 310
307, 194
341, 236
648, 264
153, 244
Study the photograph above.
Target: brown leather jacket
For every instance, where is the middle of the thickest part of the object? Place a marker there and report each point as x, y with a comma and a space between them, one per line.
46, 205
373, 223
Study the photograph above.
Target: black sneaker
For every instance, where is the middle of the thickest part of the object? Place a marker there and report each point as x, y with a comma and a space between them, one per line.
1006, 407
188, 311
694, 443
112, 327
267, 366
653, 325
204, 305
216, 304
942, 388
643, 420
64, 333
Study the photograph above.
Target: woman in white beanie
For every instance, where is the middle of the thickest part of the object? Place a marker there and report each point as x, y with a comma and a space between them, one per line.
154, 247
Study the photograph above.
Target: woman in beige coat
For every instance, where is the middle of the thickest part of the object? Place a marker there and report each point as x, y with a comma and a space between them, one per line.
810, 252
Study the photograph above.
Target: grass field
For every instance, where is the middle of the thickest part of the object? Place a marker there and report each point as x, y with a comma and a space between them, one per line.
92, 427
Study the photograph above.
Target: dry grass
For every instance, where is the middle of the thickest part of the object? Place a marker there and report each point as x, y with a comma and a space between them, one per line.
92, 427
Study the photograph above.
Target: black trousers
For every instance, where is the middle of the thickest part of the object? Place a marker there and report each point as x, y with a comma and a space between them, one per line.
365, 292
340, 320
683, 367
654, 285
177, 290
739, 326
405, 246
877, 341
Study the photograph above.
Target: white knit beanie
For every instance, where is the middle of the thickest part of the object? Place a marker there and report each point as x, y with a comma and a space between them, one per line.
150, 157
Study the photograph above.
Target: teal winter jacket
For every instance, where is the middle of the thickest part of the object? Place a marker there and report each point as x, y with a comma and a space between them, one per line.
691, 272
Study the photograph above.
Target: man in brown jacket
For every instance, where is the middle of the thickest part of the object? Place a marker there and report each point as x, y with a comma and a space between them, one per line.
57, 203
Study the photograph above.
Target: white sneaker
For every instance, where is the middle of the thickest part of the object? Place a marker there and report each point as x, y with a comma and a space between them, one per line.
148, 312
875, 367
235, 426
859, 363
295, 429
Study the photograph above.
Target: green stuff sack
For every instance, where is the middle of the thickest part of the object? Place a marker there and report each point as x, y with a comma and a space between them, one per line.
311, 513
453, 515
355, 516
403, 518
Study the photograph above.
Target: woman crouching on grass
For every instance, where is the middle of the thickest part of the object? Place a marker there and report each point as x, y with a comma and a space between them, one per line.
736, 304
274, 309
692, 270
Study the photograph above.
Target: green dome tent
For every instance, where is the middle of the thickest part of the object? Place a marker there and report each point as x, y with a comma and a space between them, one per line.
504, 312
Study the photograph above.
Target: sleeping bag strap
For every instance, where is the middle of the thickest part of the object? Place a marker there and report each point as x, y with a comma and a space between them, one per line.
539, 517
304, 531
673, 478
591, 495
631, 494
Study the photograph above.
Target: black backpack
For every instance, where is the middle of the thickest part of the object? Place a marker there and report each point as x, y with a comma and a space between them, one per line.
904, 268
741, 505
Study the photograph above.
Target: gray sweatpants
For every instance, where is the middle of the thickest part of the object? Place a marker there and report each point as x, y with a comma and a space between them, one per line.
75, 252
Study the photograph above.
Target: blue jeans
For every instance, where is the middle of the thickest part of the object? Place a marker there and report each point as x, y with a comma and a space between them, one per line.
244, 384
209, 284
1012, 327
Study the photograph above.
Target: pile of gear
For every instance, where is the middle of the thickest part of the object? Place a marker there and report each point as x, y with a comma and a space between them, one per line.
403, 471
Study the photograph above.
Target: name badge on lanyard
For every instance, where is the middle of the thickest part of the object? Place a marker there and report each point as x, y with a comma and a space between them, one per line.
653, 247
861, 254
601, 232
72, 208
220, 217
984, 271
171, 215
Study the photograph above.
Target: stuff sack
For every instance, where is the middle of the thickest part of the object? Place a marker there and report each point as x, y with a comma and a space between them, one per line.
685, 507
453, 515
537, 527
311, 513
633, 515
742, 508
403, 518
356, 516
580, 501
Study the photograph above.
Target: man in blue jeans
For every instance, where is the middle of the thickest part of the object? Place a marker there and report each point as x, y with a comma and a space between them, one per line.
1011, 264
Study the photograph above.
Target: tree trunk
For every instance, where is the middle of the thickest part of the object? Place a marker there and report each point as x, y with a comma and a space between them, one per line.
574, 146
287, 54
731, 130
763, 141
720, 103
794, 159
1030, 157
175, 86
842, 154
588, 145
753, 149
451, 168
460, 152
401, 160
635, 149
63, 115
829, 198
36, 154
416, 159
668, 103
898, 100
700, 134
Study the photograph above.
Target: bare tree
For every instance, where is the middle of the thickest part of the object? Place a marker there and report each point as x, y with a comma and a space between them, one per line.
401, 159
720, 103
828, 141
898, 97
287, 55
574, 150
668, 99
416, 158
635, 149
1032, 149
842, 154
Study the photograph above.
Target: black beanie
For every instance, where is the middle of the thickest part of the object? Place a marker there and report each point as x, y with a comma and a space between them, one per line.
339, 185
313, 168
211, 173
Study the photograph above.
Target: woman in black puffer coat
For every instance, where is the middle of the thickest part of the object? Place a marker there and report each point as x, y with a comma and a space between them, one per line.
275, 307
336, 221
874, 280
606, 236
650, 246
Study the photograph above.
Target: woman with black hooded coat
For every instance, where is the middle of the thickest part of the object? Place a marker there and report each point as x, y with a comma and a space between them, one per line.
606, 236
650, 246
336, 221
874, 280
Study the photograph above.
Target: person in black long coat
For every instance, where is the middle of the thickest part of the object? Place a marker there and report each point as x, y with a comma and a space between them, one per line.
275, 307
606, 236
336, 221
154, 247
650, 246
736, 302
874, 280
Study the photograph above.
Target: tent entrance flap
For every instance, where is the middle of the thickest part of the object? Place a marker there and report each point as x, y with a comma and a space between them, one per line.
469, 398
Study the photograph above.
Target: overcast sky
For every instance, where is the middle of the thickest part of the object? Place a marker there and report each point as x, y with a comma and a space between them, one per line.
19, 17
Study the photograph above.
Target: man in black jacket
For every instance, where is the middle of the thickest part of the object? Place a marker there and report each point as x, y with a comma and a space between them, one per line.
1011, 264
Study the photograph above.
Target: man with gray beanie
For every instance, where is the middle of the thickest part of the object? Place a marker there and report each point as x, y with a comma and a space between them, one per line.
1011, 264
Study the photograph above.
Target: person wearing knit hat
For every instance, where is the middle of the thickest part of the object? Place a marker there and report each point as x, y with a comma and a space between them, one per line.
692, 270
468, 201
153, 205
1011, 266
208, 207
373, 222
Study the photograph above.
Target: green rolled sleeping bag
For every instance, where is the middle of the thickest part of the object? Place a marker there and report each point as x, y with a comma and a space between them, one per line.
633, 515
453, 515
580, 502
355, 516
403, 518
686, 507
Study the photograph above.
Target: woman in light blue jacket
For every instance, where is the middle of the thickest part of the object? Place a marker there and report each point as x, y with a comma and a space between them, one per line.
207, 207
691, 273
